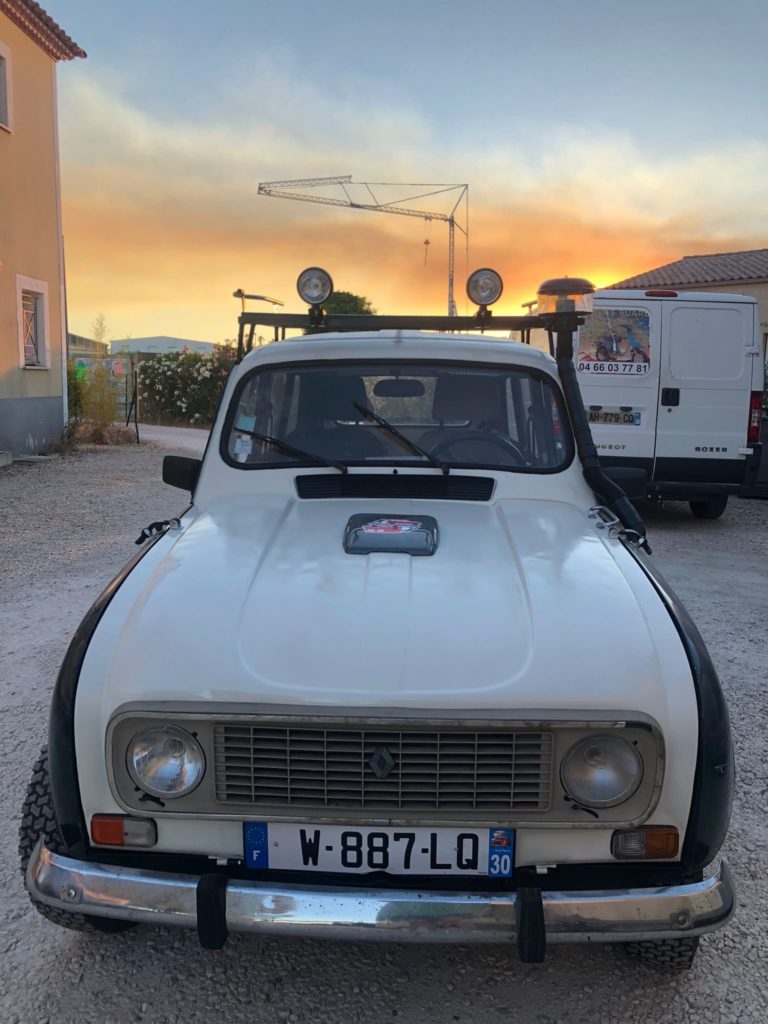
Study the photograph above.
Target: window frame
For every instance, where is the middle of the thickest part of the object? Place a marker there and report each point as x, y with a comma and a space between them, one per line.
319, 364
6, 73
40, 290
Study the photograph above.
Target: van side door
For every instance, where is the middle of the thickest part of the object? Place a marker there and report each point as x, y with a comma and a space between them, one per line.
706, 375
617, 363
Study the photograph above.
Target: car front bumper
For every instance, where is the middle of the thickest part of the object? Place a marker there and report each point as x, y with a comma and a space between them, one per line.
215, 905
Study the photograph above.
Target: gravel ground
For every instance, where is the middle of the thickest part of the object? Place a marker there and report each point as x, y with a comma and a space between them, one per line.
70, 524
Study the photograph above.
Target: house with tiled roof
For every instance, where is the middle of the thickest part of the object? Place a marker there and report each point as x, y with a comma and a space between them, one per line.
745, 273
33, 402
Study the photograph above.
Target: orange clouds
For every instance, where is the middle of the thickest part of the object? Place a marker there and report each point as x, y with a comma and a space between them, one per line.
162, 221
171, 269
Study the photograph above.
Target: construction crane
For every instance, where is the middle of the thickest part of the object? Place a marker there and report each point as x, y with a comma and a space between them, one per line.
284, 190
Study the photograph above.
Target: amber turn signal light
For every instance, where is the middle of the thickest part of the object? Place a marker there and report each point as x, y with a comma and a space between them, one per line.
654, 842
119, 830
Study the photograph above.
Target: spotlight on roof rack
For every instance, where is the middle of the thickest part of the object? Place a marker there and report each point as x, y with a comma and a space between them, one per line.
314, 286
566, 295
485, 286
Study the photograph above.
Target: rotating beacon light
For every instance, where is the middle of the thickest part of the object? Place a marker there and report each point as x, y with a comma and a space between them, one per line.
566, 295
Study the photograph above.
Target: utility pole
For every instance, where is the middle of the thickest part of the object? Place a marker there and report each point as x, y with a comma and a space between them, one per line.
286, 190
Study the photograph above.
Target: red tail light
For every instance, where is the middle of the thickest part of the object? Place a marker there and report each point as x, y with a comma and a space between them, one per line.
755, 411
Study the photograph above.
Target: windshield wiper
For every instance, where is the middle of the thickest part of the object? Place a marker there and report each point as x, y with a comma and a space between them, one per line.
371, 415
284, 446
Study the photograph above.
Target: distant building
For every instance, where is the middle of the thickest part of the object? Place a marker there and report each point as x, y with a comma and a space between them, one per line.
86, 348
745, 273
160, 345
33, 393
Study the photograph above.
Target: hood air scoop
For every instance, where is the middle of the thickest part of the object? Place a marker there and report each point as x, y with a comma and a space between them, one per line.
391, 533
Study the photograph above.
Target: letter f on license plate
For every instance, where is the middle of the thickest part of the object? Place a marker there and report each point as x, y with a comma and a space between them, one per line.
337, 849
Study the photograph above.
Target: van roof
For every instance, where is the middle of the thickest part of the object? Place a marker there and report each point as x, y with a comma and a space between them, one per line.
675, 295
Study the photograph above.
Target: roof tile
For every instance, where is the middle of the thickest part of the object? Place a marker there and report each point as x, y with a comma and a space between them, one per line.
715, 268
40, 26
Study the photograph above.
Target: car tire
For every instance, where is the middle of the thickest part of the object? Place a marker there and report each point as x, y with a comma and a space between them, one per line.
38, 819
709, 508
671, 954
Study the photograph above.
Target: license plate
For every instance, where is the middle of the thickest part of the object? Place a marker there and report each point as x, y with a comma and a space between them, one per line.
624, 417
399, 851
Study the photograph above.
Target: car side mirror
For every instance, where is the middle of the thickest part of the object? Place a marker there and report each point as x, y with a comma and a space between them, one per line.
180, 471
634, 482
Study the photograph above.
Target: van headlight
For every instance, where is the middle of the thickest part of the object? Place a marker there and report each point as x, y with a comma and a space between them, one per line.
165, 761
601, 771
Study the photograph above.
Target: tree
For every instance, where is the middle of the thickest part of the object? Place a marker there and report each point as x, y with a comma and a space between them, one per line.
99, 329
346, 302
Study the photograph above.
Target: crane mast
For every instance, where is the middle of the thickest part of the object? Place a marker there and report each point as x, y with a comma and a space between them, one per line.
285, 190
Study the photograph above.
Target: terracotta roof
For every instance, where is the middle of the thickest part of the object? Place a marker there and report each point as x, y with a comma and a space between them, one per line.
716, 268
40, 26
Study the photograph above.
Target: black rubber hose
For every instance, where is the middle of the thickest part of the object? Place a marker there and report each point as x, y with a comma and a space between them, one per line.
608, 491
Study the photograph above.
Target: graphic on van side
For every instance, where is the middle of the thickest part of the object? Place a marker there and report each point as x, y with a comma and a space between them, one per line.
615, 341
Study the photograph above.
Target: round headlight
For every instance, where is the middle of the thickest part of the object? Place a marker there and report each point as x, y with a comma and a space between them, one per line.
165, 761
601, 771
314, 285
484, 286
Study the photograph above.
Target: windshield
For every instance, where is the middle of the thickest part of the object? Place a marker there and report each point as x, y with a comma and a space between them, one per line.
471, 416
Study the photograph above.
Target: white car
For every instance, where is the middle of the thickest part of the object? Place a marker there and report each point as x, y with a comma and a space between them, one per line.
403, 669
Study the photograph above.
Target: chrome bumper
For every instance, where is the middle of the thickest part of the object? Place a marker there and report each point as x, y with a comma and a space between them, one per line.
157, 898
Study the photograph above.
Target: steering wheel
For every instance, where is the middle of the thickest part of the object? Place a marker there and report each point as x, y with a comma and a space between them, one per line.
506, 443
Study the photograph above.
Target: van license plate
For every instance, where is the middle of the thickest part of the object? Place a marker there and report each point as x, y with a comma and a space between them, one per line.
623, 417
337, 849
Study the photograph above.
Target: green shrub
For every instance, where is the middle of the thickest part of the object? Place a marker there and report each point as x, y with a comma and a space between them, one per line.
184, 387
100, 399
75, 393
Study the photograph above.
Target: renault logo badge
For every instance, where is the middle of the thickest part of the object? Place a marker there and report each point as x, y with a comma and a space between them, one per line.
381, 762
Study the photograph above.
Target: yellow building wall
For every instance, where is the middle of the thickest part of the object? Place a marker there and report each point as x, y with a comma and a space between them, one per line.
29, 215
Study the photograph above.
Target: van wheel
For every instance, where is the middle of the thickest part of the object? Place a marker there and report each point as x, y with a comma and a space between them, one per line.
38, 819
709, 508
670, 954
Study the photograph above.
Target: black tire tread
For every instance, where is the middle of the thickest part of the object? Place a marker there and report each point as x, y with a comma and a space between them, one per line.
38, 819
672, 954
708, 508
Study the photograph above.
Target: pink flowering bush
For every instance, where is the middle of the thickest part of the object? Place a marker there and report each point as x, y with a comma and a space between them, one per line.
184, 387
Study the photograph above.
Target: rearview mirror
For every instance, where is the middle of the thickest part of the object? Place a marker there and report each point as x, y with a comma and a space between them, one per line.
634, 482
398, 387
180, 471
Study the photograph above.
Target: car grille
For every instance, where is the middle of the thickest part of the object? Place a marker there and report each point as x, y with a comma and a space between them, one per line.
383, 769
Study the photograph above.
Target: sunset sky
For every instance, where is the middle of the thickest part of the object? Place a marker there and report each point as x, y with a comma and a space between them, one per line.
597, 139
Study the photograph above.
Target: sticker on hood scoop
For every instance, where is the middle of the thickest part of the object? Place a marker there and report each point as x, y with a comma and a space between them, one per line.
367, 534
391, 526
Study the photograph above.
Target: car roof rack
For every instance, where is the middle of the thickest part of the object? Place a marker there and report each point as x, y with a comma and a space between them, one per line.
321, 323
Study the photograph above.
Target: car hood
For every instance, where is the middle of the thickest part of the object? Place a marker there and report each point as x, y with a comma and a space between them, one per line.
524, 604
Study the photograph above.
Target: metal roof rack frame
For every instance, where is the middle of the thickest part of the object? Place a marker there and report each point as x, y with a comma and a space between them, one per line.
323, 323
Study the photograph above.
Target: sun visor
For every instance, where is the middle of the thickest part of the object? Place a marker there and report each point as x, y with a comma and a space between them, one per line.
391, 533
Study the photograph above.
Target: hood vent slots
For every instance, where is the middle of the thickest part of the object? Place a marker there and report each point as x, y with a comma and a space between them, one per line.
405, 485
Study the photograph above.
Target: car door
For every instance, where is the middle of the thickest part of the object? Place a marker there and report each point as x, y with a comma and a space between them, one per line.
704, 391
617, 363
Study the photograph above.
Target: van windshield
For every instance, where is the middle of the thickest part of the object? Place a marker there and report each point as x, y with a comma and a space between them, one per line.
490, 417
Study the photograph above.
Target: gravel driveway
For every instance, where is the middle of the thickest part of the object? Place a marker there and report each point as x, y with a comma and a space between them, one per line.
68, 525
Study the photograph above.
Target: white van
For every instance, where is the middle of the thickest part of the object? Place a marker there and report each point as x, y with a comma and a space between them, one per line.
673, 384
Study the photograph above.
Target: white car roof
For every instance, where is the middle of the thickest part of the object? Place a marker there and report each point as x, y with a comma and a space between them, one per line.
393, 344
